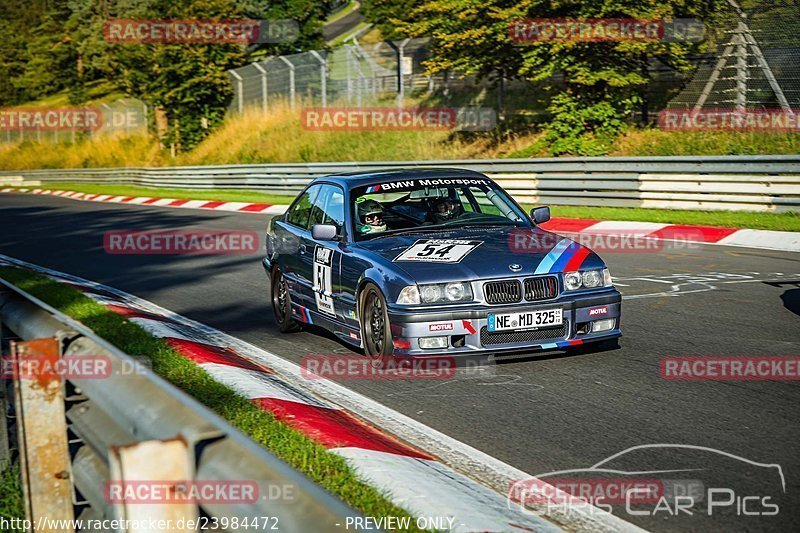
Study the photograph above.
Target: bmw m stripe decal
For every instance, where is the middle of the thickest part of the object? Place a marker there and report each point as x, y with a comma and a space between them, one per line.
565, 256
302, 313
373, 188
576, 260
550, 259
572, 251
561, 344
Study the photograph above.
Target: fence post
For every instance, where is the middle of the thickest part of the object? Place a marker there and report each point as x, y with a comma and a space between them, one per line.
107, 118
323, 75
291, 80
741, 68
239, 91
263, 72
400, 51
42, 430
349, 77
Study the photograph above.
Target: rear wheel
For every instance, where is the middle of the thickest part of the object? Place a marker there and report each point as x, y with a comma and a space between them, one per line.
282, 304
375, 327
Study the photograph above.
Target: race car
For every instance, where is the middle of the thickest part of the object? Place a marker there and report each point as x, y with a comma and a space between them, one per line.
424, 262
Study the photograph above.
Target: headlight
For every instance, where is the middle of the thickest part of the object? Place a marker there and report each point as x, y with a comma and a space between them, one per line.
592, 279
587, 279
456, 292
409, 295
431, 293
436, 292
572, 281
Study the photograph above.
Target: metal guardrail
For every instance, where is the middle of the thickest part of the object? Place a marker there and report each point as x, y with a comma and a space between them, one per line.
81, 435
756, 183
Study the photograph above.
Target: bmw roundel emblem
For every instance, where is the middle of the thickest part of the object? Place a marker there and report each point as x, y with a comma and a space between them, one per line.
515, 267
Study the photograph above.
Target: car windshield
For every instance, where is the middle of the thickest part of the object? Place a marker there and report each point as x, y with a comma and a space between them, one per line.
414, 205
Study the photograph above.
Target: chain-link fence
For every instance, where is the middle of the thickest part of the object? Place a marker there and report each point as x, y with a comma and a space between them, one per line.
351, 74
754, 61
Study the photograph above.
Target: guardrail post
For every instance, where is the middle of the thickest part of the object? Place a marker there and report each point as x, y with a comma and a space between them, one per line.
5, 449
42, 429
154, 470
5, 384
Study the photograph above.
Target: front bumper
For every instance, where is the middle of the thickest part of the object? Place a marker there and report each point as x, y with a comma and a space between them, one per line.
467, 334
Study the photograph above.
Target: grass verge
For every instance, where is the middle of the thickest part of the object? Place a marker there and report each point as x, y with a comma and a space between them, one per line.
11, 501
329, 470
725, 219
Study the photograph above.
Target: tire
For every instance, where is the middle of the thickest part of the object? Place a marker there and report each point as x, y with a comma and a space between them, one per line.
375, 328
282, 304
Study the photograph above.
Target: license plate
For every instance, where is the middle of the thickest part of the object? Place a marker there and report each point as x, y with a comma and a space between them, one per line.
525, 320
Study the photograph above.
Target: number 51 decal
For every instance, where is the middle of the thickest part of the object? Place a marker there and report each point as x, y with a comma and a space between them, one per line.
323, 282
438, 250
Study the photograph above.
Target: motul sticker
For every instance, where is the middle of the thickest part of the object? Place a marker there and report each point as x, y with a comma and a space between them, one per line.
598, 311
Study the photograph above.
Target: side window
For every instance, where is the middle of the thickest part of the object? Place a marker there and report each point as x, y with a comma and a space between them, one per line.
328, 207
318, 205
301, 209
467, 198
334, 211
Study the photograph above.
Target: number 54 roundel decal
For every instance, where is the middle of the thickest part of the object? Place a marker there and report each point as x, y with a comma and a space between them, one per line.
438, 250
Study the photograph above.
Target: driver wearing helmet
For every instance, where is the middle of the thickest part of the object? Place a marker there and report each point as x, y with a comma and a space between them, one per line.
370, 215
445, 210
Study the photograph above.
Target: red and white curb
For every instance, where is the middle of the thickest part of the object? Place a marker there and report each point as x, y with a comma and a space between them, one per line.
422, 473
239, 207
788, 241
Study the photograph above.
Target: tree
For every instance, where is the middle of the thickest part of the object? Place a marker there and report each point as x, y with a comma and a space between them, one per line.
596, 84
189, 82
385, 14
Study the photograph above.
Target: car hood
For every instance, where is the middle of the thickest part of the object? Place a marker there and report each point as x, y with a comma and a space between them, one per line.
503, 252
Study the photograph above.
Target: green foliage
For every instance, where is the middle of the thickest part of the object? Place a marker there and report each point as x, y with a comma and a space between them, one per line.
11, 500
597, 83
584, 126
385, 14
59, 45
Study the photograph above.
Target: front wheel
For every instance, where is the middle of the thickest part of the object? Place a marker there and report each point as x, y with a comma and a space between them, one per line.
375, 326
282, 304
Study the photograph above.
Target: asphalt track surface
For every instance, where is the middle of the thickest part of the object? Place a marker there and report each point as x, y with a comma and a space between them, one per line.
339, 27
538, 413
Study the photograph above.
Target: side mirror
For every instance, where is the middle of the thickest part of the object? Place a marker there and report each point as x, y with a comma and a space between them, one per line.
540, 215
324, 232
